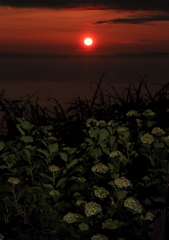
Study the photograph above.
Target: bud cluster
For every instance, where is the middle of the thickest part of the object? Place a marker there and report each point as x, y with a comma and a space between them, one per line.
147, 138
83, 227
148, 112
131, 113
70, 217
101, 192
122, 182
100, 168
14, 180
92, 208
149, 216
54, 168
133, 204
99, 237
81, 179
79, 202
115, 153
111, 224
158, 130
101, 123
54, 193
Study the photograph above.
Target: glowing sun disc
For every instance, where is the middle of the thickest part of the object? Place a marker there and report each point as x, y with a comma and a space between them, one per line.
88, 41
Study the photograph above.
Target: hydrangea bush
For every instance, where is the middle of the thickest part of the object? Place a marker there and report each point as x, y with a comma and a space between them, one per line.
96, 190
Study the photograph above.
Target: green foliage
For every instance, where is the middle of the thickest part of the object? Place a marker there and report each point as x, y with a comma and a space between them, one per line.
83, 178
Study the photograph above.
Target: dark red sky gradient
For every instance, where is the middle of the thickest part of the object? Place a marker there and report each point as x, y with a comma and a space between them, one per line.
43, 47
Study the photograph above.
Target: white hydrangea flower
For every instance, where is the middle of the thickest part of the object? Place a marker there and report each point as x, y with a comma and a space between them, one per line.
115, 153
131, 113
111, 122
111, 224
101, 123
91, 122
83, 227
100, 168
158, 130
147, 138
99, 237
148, 112
133, 204
70, 217
92, 208
122, 129
149, 216
54, 168
122, 182
14, 180
101, 192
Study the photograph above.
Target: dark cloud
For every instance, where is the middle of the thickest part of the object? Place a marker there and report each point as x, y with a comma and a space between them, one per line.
118, 55
135, 20
91, 4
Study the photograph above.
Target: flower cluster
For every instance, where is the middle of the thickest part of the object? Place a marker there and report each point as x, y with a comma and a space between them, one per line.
122, 182
149, 216
101, 192
111, 224
122, 129
101, 123
91, 122
14, 180
148, 112
146, 178
111, 122
54, 193
131, 113
99, 237
79, 202
70, 217
133, 204
92, 208
54, 168
83, 227
100, 168
158, 130
147, 138
115, 153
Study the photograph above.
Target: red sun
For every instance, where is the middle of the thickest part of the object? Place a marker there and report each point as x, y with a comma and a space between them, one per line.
88, 41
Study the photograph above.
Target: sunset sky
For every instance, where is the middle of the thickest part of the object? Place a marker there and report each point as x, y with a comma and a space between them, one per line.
41, 45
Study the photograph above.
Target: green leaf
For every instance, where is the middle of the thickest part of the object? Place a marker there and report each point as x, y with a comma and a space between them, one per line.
53, 148
158, 145
2, 145
111, 166
44, 175
72, 163
50, 186
121, 194
61, 183
26, 155
63, 156
44, 152
27, 139
103, 134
